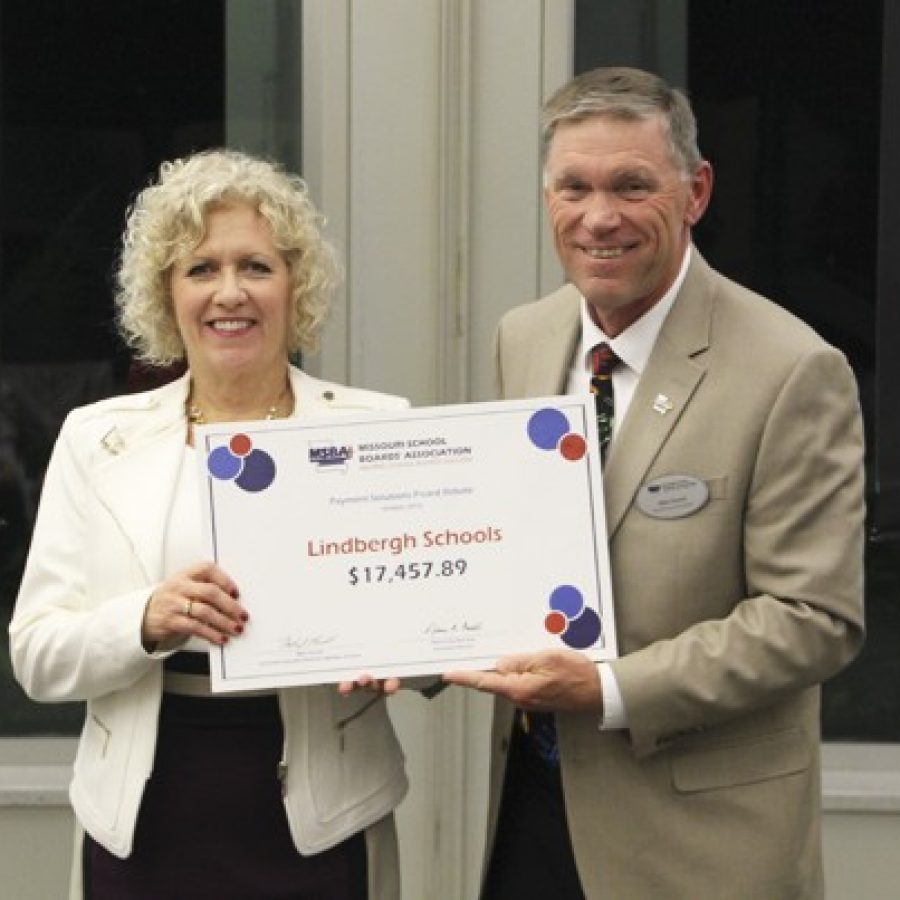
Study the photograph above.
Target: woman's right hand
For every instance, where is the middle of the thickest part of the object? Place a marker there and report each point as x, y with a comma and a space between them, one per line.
201, 601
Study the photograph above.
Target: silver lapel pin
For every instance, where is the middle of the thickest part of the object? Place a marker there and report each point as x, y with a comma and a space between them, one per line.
662, 404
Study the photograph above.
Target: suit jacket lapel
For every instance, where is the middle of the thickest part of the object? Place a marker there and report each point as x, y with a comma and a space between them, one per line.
551, 355
674, 370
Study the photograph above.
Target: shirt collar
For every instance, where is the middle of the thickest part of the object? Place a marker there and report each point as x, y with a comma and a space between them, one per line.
635, 344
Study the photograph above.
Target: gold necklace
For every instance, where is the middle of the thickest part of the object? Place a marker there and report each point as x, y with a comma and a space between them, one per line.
196, 416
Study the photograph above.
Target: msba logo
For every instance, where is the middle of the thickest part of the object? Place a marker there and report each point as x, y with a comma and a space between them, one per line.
329, 458
237, 461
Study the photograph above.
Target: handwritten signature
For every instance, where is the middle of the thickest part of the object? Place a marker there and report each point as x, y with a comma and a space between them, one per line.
463, 627
303, 643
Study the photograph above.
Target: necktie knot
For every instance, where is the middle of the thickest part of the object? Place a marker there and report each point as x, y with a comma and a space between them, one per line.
603, 360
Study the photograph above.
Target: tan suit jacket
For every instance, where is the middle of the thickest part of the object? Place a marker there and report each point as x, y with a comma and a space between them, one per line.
728, 619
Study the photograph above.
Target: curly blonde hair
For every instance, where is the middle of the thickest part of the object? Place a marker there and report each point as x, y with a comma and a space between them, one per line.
168, 220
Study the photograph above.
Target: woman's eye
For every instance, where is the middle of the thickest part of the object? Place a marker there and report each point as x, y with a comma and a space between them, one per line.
197, 269
258, 267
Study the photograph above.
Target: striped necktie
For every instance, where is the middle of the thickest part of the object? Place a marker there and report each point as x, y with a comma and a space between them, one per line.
603, 361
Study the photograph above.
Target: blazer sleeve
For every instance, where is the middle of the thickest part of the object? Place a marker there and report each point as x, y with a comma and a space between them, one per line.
800, 618
66, 641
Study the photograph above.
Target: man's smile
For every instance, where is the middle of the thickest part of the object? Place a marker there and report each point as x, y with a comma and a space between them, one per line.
604, 252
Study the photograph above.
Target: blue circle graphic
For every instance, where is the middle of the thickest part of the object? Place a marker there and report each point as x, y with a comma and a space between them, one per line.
567, 600
259, 471
546, 427
583, 631
222, 463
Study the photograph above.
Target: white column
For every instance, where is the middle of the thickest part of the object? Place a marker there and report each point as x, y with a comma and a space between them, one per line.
420, 144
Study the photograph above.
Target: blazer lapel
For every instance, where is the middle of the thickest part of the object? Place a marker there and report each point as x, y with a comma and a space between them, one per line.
314, 397
137, 481
674, 370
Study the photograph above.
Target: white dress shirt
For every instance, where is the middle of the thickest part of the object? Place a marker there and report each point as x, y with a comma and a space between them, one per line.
633, 348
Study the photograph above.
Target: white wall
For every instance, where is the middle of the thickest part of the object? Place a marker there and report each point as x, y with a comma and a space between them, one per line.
35, 819
420, 144
861, 856
861, 828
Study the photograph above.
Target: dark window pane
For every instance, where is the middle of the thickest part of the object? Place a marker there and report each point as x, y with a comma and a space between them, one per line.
788, 98
93, 95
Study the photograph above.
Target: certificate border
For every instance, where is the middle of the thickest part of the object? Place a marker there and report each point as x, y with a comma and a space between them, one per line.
580, 404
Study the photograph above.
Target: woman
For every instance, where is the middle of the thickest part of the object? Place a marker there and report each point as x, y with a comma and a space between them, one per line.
177, 793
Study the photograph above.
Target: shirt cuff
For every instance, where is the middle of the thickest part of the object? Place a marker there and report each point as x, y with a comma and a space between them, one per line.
614, 715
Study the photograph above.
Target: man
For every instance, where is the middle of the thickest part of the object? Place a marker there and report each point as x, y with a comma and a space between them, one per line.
688, 767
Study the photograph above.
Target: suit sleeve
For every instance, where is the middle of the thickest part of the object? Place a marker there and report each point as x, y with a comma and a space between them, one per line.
800, 618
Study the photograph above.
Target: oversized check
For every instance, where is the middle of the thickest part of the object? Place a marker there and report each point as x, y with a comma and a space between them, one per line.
408, 542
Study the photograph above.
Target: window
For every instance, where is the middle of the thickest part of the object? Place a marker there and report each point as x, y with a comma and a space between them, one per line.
805, 210
93, 96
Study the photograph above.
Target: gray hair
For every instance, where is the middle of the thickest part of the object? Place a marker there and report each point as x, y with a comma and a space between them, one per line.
629, 95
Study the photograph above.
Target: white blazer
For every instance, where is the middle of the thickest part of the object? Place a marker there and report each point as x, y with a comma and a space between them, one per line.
95, 558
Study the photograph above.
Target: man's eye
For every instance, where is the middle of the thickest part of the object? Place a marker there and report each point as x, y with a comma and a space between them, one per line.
573, 190
634, 190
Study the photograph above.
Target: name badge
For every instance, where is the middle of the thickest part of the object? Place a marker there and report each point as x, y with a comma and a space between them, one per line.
673, 496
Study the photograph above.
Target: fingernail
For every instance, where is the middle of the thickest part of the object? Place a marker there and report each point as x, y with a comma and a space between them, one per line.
239, 629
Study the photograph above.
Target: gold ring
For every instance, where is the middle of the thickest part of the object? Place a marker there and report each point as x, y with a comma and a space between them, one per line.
188, 607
